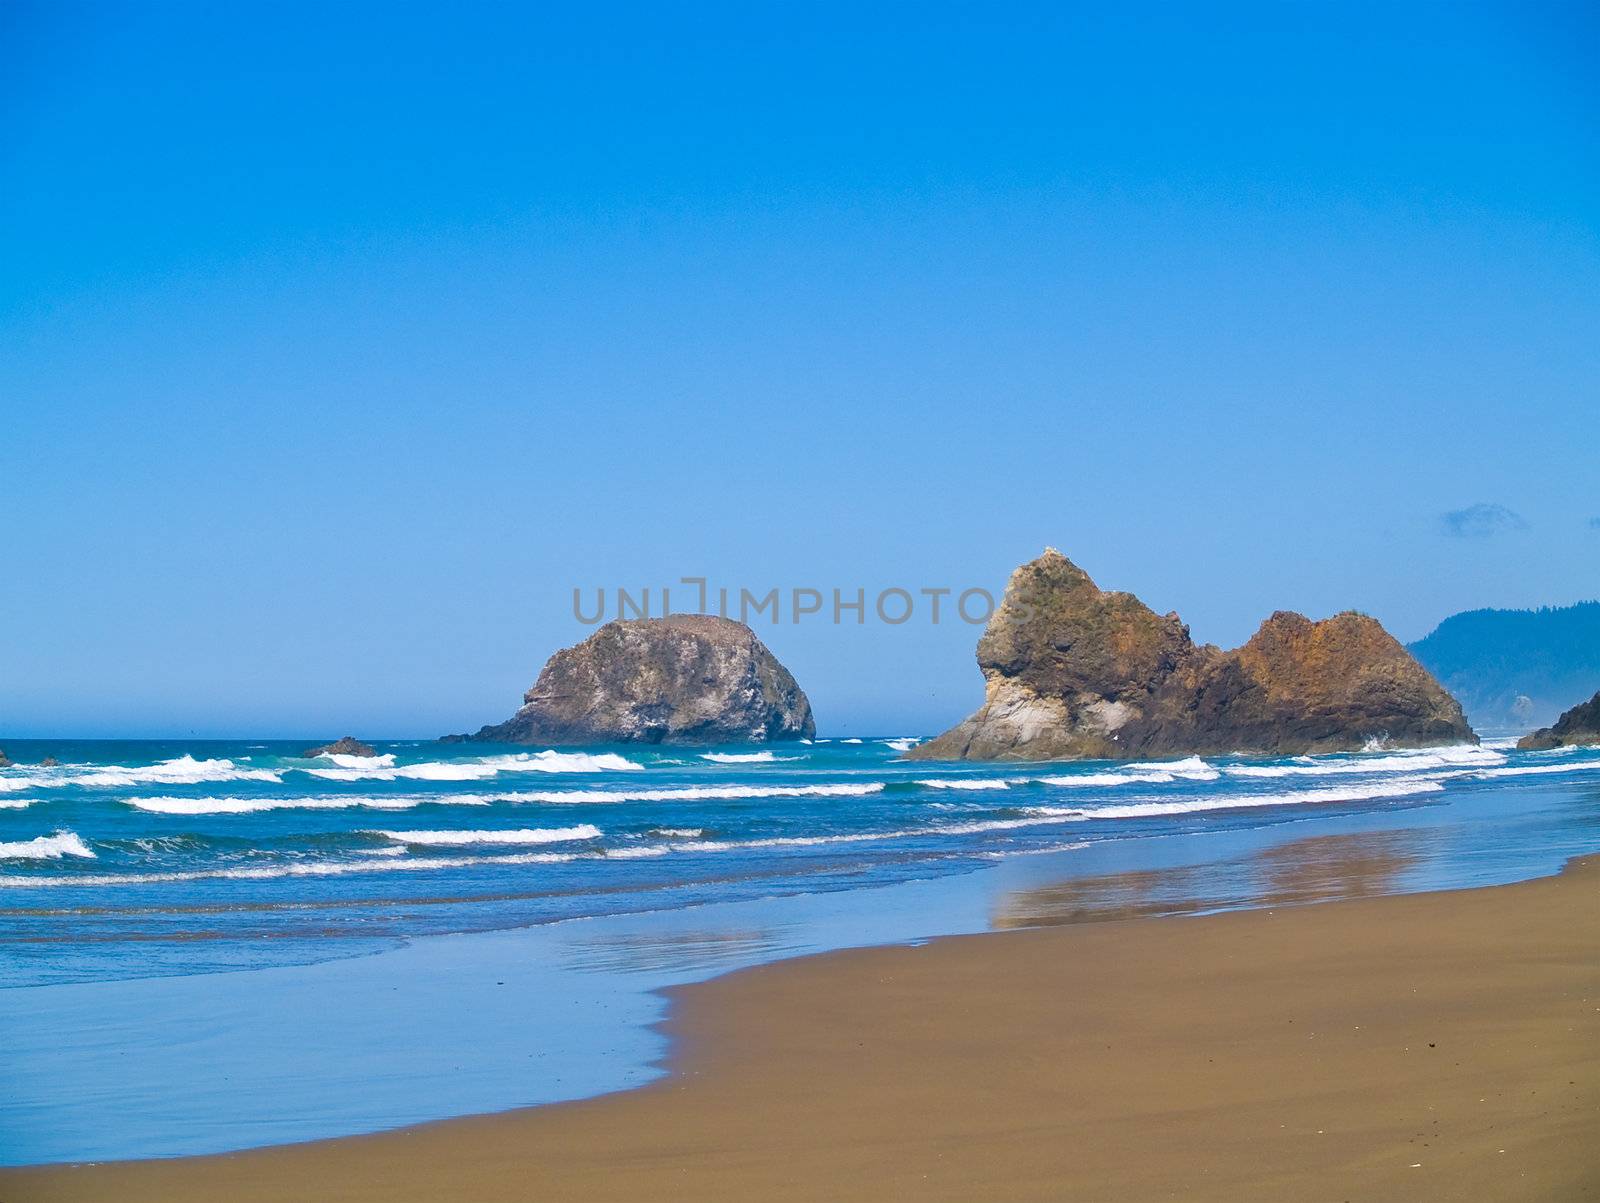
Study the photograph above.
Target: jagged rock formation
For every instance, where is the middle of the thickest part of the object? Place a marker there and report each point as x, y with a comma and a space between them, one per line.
686, 678
5, 761
348, 746
1580, 725
1073, 672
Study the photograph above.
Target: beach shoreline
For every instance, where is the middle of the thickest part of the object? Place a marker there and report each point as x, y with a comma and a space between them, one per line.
1431, 1045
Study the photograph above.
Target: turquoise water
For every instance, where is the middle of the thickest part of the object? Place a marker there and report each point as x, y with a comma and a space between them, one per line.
213, 946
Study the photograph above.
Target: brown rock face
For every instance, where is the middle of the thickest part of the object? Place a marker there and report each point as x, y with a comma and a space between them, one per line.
1578, 726
1073, 672
686, 678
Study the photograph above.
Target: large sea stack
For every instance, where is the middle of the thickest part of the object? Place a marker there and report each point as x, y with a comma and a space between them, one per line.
1577, 727
1073, 672
686, 678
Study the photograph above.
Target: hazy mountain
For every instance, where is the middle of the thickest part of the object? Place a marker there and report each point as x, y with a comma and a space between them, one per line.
1516, 669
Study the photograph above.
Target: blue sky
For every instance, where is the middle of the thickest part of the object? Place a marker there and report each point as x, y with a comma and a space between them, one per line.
339, 343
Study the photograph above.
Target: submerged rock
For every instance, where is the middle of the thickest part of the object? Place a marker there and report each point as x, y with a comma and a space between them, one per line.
686, 678
348, 746
1578, 726
5, 761
1074, 672
49, 762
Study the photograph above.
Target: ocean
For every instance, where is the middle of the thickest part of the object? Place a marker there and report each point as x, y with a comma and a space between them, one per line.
214, 945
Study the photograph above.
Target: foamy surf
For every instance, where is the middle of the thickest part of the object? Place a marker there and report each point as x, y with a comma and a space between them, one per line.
46, 847
1155, 808
245, 806
1540, 770
183, 770
527, 835
1153, 772
345, 761
703, 793
485, 767
1420, 761
744, 757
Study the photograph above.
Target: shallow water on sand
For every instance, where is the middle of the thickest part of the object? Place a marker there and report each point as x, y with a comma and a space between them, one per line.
208, 947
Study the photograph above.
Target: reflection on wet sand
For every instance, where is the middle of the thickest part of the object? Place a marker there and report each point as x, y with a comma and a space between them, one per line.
1319, 869
649, 952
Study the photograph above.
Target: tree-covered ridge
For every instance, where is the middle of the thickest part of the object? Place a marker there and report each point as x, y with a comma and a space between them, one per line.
1516, 669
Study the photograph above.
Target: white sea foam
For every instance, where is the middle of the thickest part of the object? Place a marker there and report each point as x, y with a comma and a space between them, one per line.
242, 806
358, 762
677, 833
485, 767
385, 864
46, 847
184, 770
1155, 808
1154, 772
527, 835
903, 744
743, 757
13, 784
704, 793
1539, 770
1419, 761
850, 741
965, 783
975, 827
239, 806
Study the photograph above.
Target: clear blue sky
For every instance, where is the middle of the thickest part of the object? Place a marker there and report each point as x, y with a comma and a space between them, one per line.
339, 342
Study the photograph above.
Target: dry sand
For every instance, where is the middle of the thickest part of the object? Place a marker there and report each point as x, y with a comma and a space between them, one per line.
1439, 1046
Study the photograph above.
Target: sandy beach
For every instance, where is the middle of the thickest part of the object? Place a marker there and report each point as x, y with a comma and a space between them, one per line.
1434, 1046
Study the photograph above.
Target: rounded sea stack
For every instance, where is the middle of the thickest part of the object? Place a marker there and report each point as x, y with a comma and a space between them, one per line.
685, 678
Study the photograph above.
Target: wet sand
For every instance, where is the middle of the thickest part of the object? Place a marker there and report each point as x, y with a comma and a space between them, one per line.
1435, 1046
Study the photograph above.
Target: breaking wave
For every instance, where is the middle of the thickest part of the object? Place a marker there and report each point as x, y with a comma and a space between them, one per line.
485, 767
1155, 772
46, 847
695, 793
245, 806
240, 806
528, 835
184, 770
1421, 761
1140, 810
1539, 770
358, 762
